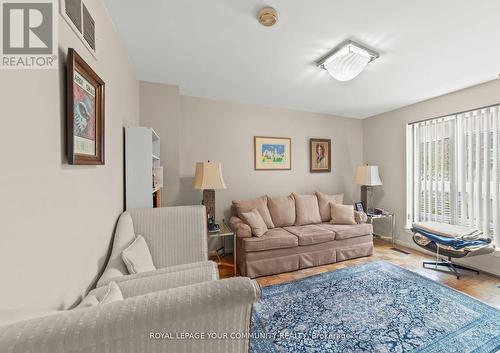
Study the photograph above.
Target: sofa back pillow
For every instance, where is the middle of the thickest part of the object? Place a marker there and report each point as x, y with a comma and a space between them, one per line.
260, 204
255, 221
324, 204
342, 214
137, 257
306, 209
282, 210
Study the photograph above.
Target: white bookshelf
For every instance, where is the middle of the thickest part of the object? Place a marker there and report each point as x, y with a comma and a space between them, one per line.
143, 171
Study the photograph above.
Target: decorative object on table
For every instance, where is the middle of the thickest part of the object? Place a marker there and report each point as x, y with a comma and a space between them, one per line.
143, 170
450, 241
85, 112
320, 158
359, 207
367, 176
272, 153
208, 177
385, 308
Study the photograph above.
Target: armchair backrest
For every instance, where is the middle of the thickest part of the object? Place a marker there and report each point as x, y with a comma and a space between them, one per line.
175, 235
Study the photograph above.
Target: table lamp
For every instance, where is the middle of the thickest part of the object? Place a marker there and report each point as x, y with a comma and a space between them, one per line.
367, 176
208, 177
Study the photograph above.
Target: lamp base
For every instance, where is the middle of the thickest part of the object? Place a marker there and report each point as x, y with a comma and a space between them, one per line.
367, 198
209, 202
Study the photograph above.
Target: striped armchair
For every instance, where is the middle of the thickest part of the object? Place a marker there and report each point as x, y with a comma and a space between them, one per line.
160, 308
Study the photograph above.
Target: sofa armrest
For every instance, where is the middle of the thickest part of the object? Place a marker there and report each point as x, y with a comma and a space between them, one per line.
360, 217
241, 229
146, 323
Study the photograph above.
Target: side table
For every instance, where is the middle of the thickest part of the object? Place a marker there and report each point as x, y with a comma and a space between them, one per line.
224, 232
392, 218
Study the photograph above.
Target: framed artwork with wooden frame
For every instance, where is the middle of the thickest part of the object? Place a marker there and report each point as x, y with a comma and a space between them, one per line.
320, 156
85, 113
272, 153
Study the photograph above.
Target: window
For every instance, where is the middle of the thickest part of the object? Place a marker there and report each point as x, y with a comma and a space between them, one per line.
453, 170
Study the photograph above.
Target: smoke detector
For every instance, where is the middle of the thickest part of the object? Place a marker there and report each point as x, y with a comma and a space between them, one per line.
268, 16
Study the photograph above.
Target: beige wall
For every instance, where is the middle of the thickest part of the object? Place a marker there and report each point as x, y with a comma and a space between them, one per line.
384, 138
224, 131
57, 220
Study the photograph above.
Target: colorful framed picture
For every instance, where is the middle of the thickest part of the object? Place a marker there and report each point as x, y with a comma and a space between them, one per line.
320, 155
273, 153
85, 112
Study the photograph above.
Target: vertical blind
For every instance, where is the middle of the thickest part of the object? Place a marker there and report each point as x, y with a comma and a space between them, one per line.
454, 170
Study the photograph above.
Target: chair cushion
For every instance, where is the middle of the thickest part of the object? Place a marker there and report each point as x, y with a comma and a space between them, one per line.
282, 210
344, 231
324, 204
306, 209
311, 234
342, 214
137, 257
259, 203
255, 221
276, 238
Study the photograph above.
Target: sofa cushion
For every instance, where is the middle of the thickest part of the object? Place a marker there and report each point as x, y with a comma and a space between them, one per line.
324, 204
306, 209
311, 234
282, 210
260, 203
342, 214
276, 238
344, 231
255, 221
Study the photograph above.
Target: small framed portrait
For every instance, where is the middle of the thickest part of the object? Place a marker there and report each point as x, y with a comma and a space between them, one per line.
272, 153
85, 112
320, 155
358, 206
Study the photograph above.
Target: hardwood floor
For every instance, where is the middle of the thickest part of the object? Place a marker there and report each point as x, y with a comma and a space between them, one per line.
483, 287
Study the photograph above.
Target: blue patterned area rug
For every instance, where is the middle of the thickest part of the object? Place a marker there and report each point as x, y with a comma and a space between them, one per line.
376, 307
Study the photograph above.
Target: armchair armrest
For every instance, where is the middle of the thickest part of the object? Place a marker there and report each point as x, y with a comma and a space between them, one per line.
241, 229
161, 280
146, 323
208, 267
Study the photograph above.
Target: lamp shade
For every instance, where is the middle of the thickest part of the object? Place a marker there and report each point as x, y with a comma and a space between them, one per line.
208, 176
368, 175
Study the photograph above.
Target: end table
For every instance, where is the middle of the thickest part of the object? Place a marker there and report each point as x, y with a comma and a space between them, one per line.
392, 218
224, 232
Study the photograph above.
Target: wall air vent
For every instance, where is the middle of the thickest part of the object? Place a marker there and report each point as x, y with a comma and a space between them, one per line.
77, 15
73, 10
88, 28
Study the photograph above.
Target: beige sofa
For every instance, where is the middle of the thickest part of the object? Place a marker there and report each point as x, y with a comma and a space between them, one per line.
300, 235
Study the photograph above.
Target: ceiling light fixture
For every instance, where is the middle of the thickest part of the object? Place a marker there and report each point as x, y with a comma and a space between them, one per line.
347, 60
267, 16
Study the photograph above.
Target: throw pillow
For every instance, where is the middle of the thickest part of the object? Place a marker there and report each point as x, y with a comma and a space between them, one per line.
342, 214
260, 204
324, 204
102, 295
255, 221
282, 210
360, 217
306, 209
137, 257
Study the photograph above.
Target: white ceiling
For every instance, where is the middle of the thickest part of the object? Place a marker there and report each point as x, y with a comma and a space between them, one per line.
217, 49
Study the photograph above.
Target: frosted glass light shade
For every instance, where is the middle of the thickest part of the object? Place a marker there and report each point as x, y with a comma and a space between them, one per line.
208, 176
367, 175
347, 61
